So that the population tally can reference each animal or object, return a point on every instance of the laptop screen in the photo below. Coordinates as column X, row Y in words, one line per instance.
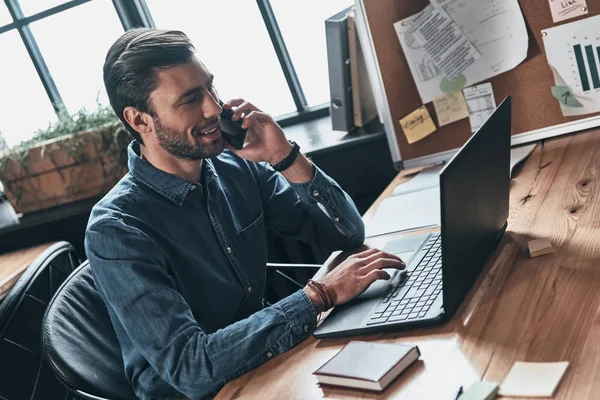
column 474, row 190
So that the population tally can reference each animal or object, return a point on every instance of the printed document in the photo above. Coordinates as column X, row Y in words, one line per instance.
column 573, row 52
column 495, row 28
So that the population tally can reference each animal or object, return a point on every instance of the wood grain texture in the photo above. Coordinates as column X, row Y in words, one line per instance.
column 520, row 309
column 14, row 264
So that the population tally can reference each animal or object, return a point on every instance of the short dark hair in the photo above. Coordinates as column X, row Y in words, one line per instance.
column 131, row 64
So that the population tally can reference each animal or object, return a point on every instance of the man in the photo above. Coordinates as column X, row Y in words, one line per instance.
column 178, row 246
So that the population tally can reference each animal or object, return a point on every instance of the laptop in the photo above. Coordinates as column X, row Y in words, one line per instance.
column 445, row 262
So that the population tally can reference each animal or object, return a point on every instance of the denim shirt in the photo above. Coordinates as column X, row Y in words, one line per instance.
column 181, row 267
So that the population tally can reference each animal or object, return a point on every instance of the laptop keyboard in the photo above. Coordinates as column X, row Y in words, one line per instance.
column 424, row 284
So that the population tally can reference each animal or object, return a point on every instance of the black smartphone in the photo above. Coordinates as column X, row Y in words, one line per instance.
column 232, row 131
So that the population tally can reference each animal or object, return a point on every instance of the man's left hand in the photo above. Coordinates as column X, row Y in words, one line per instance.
column 265, row 140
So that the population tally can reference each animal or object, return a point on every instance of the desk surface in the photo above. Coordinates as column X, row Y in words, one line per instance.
column 520, row 309
column 14, row 264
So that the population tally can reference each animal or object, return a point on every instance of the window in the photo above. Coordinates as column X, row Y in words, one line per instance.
column 302, row 24
column 5, row 17
column 57, row 48
column 74, row 45
column 24, row 106
column 31, row 7
column 233, row 43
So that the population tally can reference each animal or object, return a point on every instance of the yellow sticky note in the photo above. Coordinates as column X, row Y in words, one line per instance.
column 451, row 108
column 417, row 125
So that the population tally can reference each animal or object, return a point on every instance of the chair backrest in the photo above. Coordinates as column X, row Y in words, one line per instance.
column 79, row 342
column 23, row 373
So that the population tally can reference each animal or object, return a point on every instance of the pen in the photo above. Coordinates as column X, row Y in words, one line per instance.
column 458, row 393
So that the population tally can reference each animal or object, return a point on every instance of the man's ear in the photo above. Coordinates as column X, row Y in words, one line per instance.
column 140, row 121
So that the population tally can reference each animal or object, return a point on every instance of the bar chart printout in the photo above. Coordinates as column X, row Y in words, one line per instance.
column 591, row 62
column 573, row 53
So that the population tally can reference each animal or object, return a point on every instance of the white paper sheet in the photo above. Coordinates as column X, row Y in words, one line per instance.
column 444, row 42
column 495, row 27
column 430, row 177
column 481, row 102
column 409, row 211
column 572, row 52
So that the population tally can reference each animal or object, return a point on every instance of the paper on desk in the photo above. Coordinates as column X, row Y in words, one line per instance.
column 426, row 179
column 443, row 41
column 417, row 125
column 430, row 177
column 572, row 50
column 481, row 102
column 565, row 9
column 409, row 211
column 495, row 27
column 450, row 108
column 527, row 379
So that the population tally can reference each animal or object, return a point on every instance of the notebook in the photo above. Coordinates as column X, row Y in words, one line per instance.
column 367, row 365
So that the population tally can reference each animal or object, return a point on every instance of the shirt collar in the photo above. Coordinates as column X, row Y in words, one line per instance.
column 165, row 184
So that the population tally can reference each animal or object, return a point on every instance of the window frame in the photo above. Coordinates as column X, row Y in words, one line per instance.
column 135, row 13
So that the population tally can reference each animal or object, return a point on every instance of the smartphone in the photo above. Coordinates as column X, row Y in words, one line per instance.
column 232, row 131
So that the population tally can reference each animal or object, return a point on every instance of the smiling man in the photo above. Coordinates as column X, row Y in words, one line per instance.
column 178, row 247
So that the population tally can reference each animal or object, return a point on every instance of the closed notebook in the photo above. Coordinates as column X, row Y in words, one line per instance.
column 366, row 365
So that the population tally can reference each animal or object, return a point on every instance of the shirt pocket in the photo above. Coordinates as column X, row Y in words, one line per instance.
column 253, row 239
column 255, row 228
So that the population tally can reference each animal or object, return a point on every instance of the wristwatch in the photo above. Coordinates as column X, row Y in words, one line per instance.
column 289, row 160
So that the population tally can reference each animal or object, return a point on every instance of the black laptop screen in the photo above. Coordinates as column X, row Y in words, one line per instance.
column 474, row 190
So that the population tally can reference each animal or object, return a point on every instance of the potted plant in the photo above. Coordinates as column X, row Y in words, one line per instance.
column 80, row 156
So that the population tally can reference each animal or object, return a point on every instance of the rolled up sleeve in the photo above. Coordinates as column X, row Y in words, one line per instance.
column 318, row 211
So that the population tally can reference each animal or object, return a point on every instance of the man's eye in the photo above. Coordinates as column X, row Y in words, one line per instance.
column 192, row 99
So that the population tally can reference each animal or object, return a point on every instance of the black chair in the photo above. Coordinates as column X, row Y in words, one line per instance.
column 79, row 342
column 23, row 373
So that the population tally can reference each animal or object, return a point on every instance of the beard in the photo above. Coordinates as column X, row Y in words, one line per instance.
column 173, row 141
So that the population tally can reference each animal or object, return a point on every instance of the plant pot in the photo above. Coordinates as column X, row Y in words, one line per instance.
column 65, row 169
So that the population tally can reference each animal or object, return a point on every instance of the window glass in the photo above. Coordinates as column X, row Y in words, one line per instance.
column 24, row 104
column 5, row 17
column 74, row 45
column 30, row 7
column 302, row 24
column 232, row 41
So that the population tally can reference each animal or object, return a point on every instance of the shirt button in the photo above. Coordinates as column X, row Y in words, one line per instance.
column 336, row 219
column 269, row 355
column 316, row 193
column 306, row 328
column 249, row 289
column 229, row 250
column 192, row 188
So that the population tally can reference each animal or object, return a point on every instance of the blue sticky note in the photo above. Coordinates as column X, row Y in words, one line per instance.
column 564, row 94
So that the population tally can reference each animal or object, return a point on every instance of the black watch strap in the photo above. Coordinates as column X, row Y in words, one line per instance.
column 289, row 160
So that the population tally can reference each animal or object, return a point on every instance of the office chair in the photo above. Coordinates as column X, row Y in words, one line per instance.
column 23, row 373
column 79, row 343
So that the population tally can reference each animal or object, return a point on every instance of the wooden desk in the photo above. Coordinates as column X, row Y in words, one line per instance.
column 521, row 308
column 14, row 264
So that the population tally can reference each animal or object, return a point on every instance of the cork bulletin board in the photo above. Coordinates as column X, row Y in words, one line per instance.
column 529, row 84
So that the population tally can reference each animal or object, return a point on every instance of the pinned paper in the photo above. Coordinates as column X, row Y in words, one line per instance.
column 481, row 102
column 444, row 41
column 450, row 108
column 417, row 125
column 448, row 87
column 565, row 96
column 565, row 9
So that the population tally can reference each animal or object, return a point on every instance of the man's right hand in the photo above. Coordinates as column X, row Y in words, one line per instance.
column 356, row 273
